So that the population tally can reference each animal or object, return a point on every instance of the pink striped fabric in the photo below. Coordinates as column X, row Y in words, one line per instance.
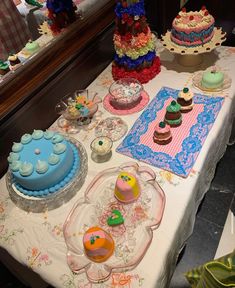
column 178, row 133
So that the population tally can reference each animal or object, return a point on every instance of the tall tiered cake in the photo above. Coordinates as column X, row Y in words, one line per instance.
column 134, row 43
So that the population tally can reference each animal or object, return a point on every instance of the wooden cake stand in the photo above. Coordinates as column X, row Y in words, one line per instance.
column 192, row 56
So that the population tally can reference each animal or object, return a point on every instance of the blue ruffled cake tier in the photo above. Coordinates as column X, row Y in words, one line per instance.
column 136, row 9
column 133, row 64
column 193, row 36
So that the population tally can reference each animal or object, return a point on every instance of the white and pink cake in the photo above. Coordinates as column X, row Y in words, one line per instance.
column 98, row 244
column 192, row 28
column 162, row 134
column 125, row 93
column 127, row 188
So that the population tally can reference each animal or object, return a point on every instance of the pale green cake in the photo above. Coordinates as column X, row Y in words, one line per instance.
column 212, row 79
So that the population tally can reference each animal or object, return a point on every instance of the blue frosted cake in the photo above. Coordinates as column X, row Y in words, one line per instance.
column 42, row 163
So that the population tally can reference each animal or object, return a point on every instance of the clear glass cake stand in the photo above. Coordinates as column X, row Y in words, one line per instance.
column 55, row 200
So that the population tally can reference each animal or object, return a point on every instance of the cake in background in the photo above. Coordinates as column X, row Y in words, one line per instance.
column 98, row 244
column 192, row 28
column 185, row 99
column 212, row 79
column 13, row 59
column 31, row 47
column 162, row 134
column 127, row 188
column 173, row 115
column 61, row 13
column 4, row 68
column 134, row 43
column 42, row 163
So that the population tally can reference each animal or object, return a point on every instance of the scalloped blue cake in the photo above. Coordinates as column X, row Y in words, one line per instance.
column 42, row 163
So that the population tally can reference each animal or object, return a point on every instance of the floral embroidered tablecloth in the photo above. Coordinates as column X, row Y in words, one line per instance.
column 37, row 241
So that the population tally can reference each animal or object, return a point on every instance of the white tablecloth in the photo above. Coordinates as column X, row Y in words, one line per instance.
column 36, row 240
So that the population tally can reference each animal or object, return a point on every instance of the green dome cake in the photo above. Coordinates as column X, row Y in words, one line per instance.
column 212, row 79
column 173, row 115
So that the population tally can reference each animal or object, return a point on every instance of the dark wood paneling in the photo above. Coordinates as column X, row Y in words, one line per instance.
column 21, row 86
column 39, row 111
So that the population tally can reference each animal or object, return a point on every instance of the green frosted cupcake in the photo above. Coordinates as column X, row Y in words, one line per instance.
column 173, row 115
column 4, row 68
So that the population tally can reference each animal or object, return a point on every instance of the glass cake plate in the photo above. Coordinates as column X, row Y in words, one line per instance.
column 131, row 239
column 197, row 79
column 52, row 201
column 112, row 127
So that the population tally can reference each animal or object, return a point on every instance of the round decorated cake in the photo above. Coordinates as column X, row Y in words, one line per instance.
column 162, row 134
column 185, row 99
column 42, row 163
column 127, row 188
column 31, row 47
column 13, row 59
column 125, row 93
column 173, row 115
column 98, row 244
column 212, row 79
column 4, row 68
column 192, row 28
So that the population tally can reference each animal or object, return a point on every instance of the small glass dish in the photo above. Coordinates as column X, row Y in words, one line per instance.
column 77, row 109
column 125, row 93
column 112, row 127
column 101, row 148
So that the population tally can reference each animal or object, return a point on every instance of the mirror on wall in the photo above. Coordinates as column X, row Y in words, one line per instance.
column 27, row 26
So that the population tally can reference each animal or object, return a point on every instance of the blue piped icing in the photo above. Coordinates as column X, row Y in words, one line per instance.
column 48, row 134
column 26, row 138
column 26, row 169
column 132, row 64
column 15, row 165
column 61, row 184
column 17, row 147
column 13, row 157
column 57, row 138
column 37, row 134
column 59, row 148
column 53, row 159
column 41, row 167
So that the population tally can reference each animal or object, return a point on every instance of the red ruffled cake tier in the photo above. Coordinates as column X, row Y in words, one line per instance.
column 144, row 75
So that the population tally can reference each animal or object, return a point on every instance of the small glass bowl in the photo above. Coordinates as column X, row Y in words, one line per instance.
column 125, row 93
column 101, row 145
column 77, row 112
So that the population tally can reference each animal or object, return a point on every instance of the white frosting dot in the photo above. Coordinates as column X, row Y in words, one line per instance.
column 37, row 151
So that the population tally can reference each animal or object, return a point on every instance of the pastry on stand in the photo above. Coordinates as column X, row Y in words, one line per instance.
column 98, row 244
column 212, row 80
column 173, row 115
column 14, row 61
column 4, row 68
column 185, row 99
column 162, row 134
column 192, row 34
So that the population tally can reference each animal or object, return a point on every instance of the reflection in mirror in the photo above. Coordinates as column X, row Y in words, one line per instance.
column 28, row 25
